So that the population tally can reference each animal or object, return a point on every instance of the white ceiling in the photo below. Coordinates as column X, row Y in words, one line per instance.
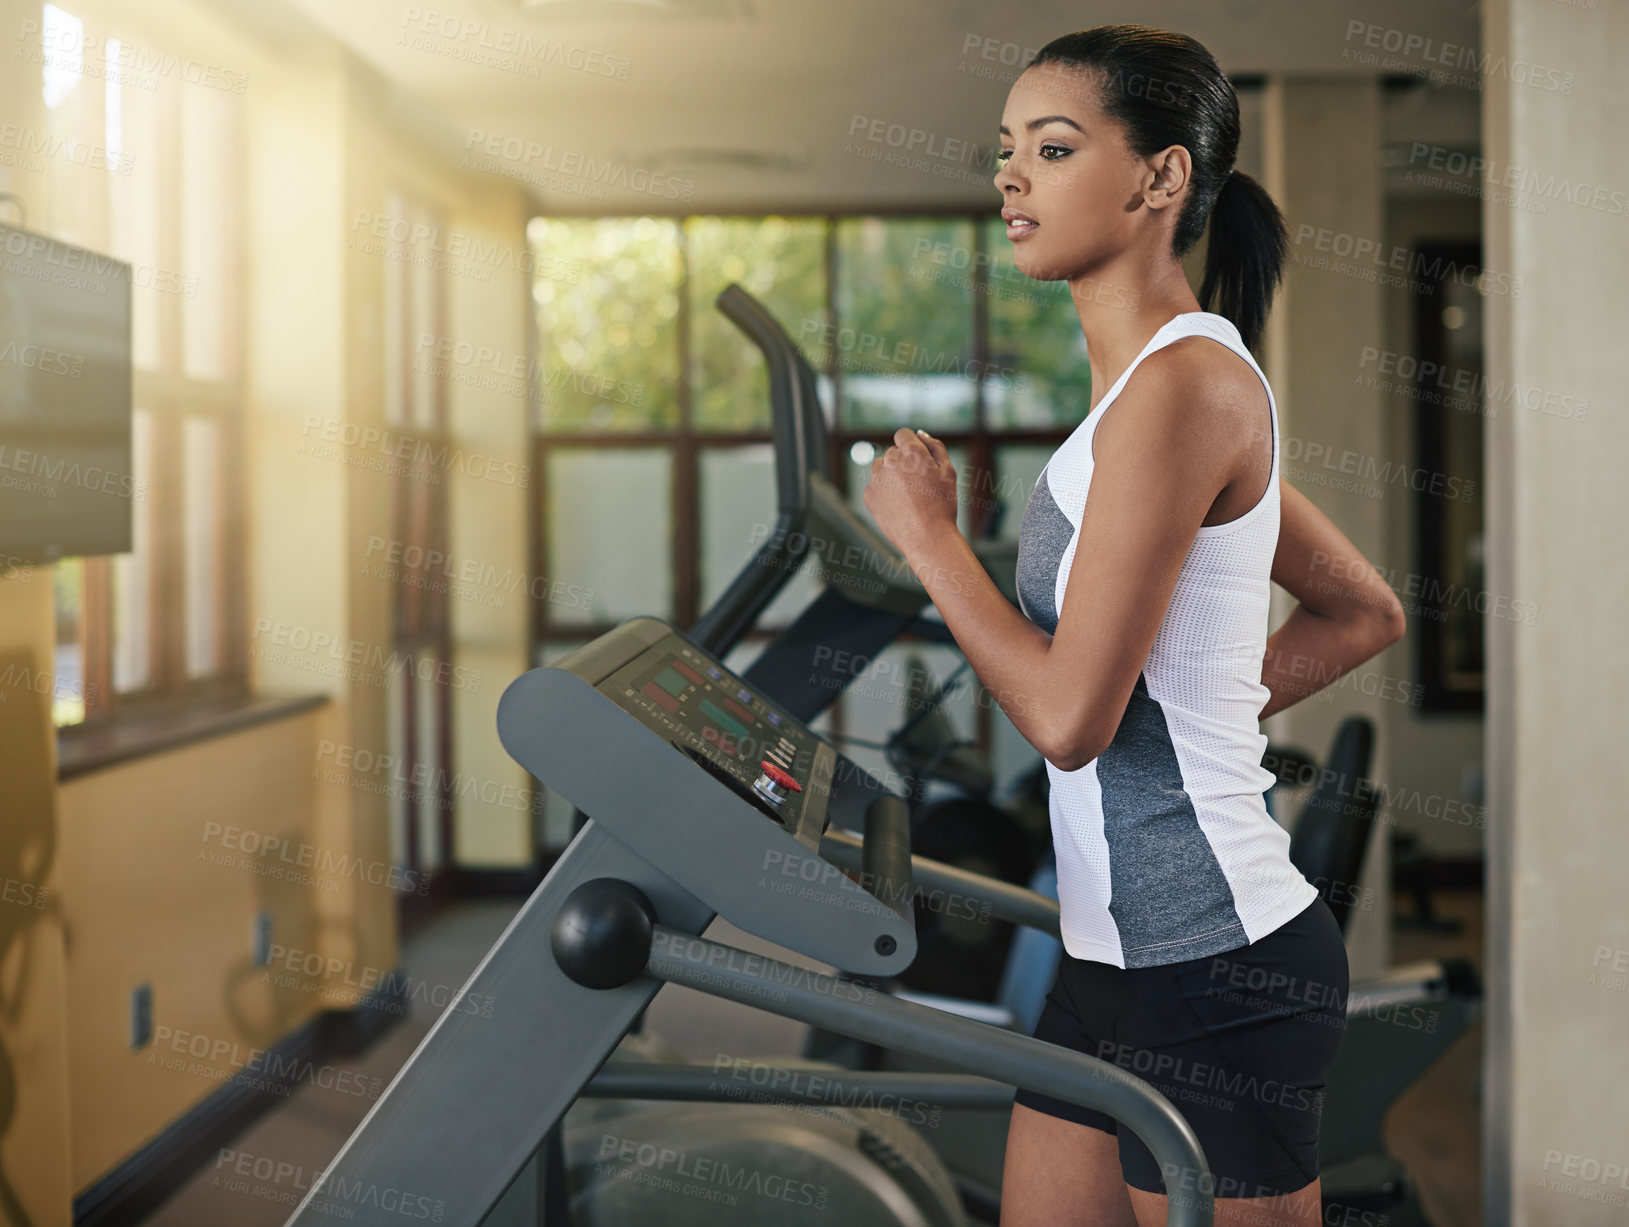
column 784, row 83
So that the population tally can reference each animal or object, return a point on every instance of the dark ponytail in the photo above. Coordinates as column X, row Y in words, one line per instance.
column 1245, row 258
column 1167, row 89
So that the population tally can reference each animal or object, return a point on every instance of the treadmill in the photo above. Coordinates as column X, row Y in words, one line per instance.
column 704, row 797
column 708, row 800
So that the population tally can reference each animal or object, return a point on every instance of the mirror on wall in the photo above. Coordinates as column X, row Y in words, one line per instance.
column 1453, row 402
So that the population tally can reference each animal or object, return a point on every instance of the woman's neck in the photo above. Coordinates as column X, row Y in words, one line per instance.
column 1121, row 306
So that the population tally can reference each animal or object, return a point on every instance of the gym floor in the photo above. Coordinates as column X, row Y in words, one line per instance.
column 1433, row 1128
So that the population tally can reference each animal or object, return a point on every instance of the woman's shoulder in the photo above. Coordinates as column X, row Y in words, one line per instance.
column 1192, row 392
column 1201, row 359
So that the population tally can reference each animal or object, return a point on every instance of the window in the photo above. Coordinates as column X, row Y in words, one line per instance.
column 419, row 707
column 903, row 340
column 164, row 193
column 652, row 435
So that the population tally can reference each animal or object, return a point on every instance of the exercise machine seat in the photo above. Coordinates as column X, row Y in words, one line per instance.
column 1330, row 837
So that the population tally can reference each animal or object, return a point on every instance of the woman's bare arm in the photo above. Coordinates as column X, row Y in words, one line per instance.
column 1347, row 611
column 1163, row 452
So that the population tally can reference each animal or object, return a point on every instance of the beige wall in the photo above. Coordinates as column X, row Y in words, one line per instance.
column 34, row 1120
column 1557, row 1057
column 490, row 520
column 1320, row 322
column 303, row 501
column 165, row 863
column 480, row 227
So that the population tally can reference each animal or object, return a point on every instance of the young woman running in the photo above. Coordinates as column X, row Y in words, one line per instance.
column 1195, row 955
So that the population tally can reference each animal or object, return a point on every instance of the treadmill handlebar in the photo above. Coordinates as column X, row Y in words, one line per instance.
column 851, row 1007
column 1004, row 900
column 792, row 410
column 799, row 431
column 885, row 857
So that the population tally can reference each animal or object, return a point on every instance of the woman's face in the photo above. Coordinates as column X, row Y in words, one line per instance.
column 1066, row 165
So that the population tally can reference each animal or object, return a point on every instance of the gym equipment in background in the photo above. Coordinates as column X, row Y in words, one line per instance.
column 1398, row 1026
column 869, row 599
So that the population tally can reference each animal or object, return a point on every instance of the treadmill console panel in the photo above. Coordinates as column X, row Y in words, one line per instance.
column 650, row 736
column 762, row 754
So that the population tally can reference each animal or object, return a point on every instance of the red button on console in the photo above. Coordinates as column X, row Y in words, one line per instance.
column 780, row 777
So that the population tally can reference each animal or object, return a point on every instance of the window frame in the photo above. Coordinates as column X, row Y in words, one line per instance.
column 416, row 295
column 171, row 396
column 688, row 442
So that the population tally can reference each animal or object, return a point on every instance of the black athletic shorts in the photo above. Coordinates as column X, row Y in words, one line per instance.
column 1238, row 1042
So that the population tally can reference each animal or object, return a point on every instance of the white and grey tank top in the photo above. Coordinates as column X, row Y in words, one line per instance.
column 1165, row 848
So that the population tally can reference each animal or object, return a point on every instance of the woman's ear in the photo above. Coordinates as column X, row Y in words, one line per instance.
column 1172, row 169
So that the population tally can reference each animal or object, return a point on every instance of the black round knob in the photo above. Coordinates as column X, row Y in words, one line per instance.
column 884, row 945
column 602, row 935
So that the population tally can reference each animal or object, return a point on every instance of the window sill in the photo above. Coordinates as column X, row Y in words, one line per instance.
column 154, row 730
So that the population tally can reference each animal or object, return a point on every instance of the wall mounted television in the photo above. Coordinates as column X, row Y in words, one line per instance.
column 67, row 484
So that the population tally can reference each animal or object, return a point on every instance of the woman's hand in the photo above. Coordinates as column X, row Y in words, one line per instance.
column 912, row 492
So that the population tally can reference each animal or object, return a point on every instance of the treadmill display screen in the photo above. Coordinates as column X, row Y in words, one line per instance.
column 763, row 756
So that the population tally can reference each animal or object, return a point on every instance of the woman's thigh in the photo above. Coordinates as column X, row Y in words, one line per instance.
column 1302, row 1208
column 1062, row 1174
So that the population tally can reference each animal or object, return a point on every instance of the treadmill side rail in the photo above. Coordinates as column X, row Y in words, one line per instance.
column 1004, row 900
